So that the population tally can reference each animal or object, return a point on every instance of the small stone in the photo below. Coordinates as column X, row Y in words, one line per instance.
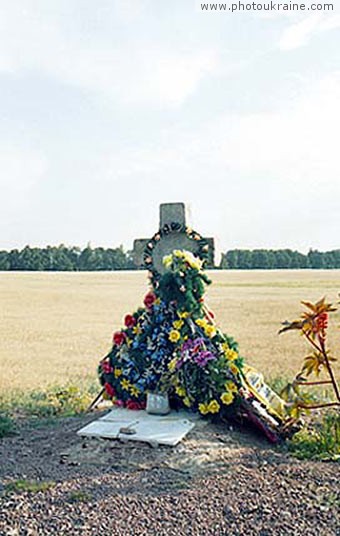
column 229, row 513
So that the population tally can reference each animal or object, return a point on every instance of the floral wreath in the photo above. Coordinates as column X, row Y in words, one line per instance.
column 202, row 250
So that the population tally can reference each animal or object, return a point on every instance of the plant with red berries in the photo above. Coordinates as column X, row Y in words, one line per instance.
column 312, row 324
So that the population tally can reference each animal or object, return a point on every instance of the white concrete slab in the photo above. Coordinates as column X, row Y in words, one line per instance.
column 125, row 415
column 140, row 426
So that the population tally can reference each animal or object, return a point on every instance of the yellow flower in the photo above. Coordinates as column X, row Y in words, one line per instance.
column 125, row 384
column 233, row 368
column 195, row 264
column 118, row 372
column 231, row 355
column 183, row 314
column 134, row 390
column 157, row 301
column 174, row 335
column 186, row 401
column 201, row 322
column 210, row 331
column 227, row 398
column 214, row 406
column 193, row 261
column 180, row 391
column 128, row 342
column 203, row 408
column 225, row 347
column 172, row 364
column 137, row 330
column 167, row 260
column 178, row 253
column 178, row 324
column 230, row 386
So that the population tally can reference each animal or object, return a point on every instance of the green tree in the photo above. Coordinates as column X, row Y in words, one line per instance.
column 5, row 263
column 316, row 259
column 260, row 259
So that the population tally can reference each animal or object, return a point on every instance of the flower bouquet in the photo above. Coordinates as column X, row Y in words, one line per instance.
column 172, row 345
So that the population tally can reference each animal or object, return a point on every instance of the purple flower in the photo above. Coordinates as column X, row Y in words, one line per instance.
column 195, row 350
column 203, row 358
column 187, row 345
column 192, row 345
column 179, row 363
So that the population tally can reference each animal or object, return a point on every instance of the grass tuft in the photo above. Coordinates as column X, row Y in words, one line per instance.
column 28, row 486
column 277, row 383
column 80, row 496
column 53, row 402
column 6, row 425
column 320, row 441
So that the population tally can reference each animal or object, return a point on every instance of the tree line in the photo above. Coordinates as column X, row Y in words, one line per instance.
column 270, row 259
column 63, row 258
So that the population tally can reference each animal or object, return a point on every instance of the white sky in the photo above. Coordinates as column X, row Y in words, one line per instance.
column 109, row 108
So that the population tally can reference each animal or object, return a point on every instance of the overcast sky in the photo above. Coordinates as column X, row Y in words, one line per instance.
column 109, row 108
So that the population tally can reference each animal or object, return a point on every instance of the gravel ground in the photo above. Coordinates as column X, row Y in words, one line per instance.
column 217, row 481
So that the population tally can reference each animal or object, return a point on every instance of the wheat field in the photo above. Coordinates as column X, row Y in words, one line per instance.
column 54, row 327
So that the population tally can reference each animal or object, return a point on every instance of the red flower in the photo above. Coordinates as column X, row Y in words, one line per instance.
column 119, row 337
column 149, row 299
column 106, row 367
column 132, row 404
column 130, row 321
column 109, row 389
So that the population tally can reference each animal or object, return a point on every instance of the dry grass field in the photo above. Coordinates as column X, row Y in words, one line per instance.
column 54, row 327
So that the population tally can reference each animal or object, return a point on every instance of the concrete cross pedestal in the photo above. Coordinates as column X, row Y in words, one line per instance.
column 173, row 234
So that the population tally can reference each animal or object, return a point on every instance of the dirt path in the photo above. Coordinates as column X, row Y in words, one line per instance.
column 216, row 482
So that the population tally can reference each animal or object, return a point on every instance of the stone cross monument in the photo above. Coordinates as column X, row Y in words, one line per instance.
column 173, row 233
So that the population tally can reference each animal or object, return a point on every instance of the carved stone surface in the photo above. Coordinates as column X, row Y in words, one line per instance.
column 138, row 249
column 170, row 213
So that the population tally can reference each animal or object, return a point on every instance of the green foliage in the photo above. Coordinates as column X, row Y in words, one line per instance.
column 6, row 425
column 267, row 259
column 63, row 258
column 318, row 441
column 187, row 297
column 4, row 261
column 28, row 486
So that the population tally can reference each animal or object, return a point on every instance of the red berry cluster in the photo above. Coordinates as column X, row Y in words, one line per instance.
column 322, row 324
